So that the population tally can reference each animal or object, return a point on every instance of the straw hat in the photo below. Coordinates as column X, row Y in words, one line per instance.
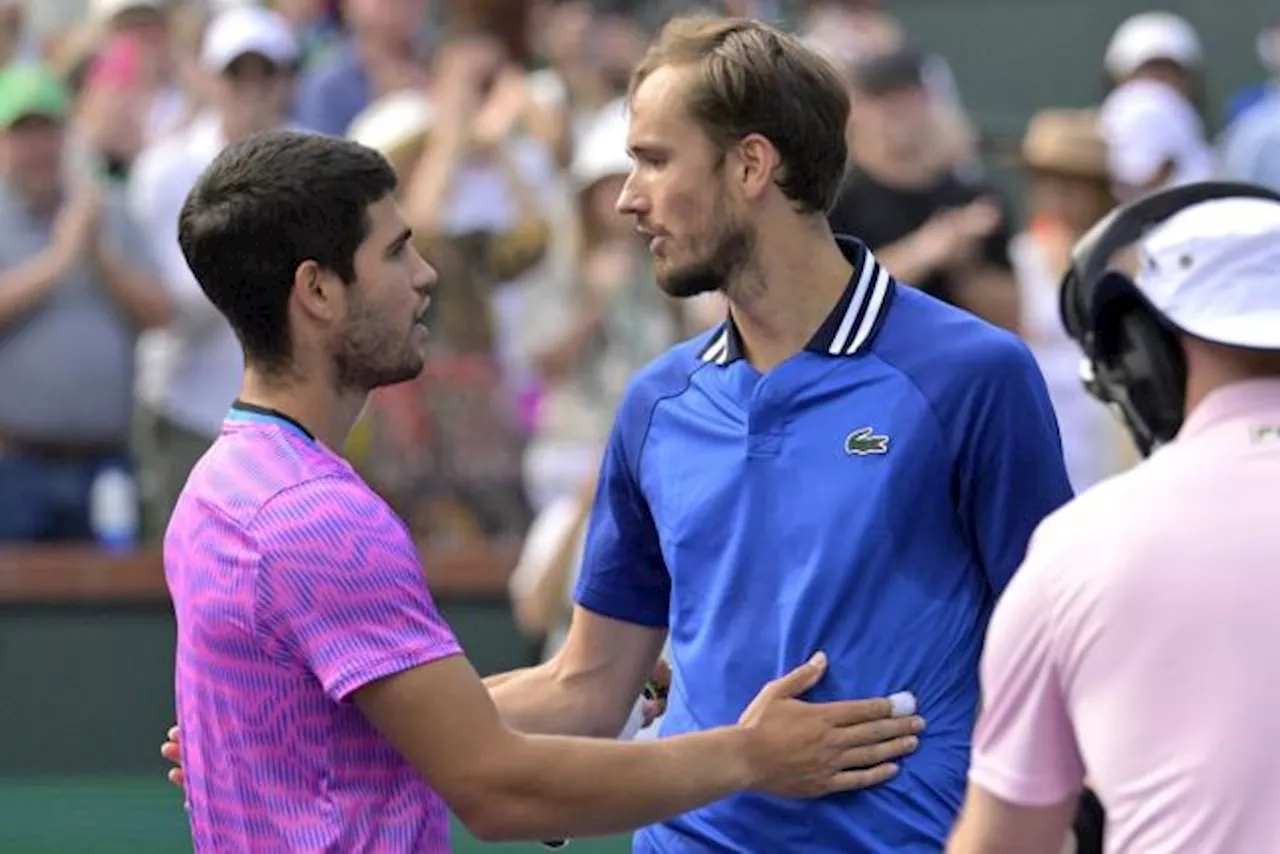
column 1065, row 141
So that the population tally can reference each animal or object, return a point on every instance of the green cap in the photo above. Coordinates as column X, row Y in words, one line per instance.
column 28, row 89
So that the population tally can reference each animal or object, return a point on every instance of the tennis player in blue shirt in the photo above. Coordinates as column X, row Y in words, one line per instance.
column 846, row 464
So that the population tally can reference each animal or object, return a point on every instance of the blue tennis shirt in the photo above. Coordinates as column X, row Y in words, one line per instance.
column 870, row 497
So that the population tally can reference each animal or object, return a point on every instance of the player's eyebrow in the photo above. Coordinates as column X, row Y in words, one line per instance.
column 646, row 151
column 401, row 239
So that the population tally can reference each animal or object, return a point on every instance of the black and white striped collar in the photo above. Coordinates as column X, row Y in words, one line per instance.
column 852, row 324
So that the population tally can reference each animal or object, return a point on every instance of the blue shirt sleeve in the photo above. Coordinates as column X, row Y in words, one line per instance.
column 1011, row 472
column 623, row 573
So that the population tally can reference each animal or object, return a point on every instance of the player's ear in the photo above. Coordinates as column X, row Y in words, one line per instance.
column 756, row 161
column 317, row 292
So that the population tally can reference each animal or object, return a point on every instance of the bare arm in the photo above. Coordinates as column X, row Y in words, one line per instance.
column 506, row 785
column 948, row 237
column 989, row 825
column 588, row 687
column 914, row 257
column 541, row 606
column 135, row 291
column 431, row 180
column 518, row 249
column 603, row 270
column 26, row 285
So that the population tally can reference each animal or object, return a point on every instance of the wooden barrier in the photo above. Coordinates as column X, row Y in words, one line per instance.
column 59, row 574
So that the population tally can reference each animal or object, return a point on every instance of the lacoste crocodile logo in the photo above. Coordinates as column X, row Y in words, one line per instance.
column 865, row 441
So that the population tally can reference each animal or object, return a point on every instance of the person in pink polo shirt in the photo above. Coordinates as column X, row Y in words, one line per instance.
column 1138, row 646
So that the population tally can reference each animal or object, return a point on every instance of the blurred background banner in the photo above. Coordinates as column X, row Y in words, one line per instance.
column 998, row 130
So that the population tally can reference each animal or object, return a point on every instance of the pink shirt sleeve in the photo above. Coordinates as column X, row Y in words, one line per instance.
column 340, row 590
column 1024, row 747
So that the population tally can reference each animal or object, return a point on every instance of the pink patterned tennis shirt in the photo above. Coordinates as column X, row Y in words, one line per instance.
column 294, row 585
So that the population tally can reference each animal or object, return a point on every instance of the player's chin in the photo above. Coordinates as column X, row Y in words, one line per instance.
column 406, row 368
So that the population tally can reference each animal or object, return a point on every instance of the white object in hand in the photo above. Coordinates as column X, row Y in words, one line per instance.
column 903, row 703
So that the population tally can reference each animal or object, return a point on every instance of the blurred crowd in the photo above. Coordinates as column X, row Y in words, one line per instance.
column 505, row 121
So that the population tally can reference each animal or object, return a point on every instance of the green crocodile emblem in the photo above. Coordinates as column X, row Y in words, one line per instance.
column 865, row 441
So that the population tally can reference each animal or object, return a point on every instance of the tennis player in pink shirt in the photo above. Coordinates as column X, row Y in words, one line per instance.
column 1139, row 644
column 325, row 705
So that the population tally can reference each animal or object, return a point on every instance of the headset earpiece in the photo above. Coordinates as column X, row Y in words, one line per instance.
column 1141, row 368
column 1134, row 361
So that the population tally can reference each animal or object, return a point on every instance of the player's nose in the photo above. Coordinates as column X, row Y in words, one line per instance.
column 631, row 202
column 425, row 277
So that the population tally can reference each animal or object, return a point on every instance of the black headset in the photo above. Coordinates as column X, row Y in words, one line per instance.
column 1133, row 361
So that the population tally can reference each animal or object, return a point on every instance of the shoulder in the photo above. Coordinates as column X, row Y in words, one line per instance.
column 1260, row 125
column 939, row 345
column 331, row 520
column 669, row 375
column 1099, row 509
column 1092, row 540
column 973, row 376
column 327, row 499
column 664, row 379
column 256, row 473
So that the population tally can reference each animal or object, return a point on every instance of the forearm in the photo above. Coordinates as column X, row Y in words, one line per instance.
column 908, row 259
column 141, row 297
column 25, row 285
column 553, row 787
column 431, row 181
column 491, row 682
column 541, row 700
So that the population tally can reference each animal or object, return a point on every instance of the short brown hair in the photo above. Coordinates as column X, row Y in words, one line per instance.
column 757, row 79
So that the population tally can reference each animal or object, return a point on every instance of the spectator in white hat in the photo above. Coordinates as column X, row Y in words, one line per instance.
column 1156, row 46
column 1154, row 132
column 1137, row 642
column 189, row 373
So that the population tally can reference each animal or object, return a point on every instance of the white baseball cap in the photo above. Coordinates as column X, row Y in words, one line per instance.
column 1213, row 270
column 1150, row 36
column 243, row 30
column 602, row 151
